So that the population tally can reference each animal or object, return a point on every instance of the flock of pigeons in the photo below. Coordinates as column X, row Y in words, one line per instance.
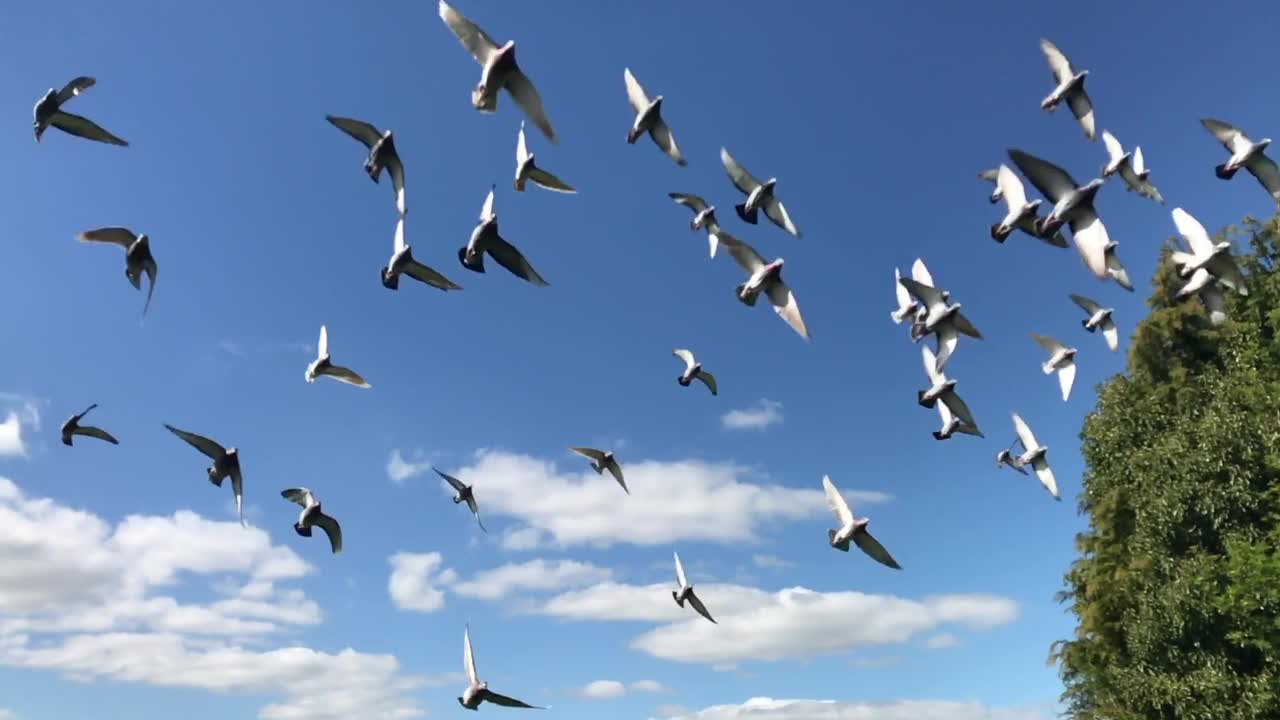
column 1208, row 267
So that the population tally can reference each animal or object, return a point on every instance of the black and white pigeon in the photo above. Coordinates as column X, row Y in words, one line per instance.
column 465, row 494
column 1246, row 154
column 137, row 256
column 48, row 113
column 760, row 196
column 72, row 427
column 485, row 239
column 382, row 154
column 226, row 463
column 312, row 516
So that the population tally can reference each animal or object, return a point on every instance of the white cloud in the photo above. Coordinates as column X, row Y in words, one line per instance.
column 7, row 714
column 610, row 689
column 771, row 562
column 767, row 626
column 942, row 640
column 669, row 501
column 763, row 708
column 649, row 686
column 23, row 413
column 765, row 413
column 532, row 575
column 525, row 538
column 670, row 711
column 414, row 582
column 399, row 469
column 91, row 600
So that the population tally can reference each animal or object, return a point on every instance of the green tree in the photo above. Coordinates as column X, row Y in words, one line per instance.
column 1177, row 585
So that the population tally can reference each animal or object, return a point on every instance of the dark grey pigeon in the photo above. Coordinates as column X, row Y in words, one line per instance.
column 48, row 112
column 382, row 153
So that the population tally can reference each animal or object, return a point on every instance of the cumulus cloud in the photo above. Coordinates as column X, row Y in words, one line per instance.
column 93, row 600
column 763, row 708
column 764, row 414
column 609, row 689
column 20, row 413
column 755, row 624
column 416, row 579
column 532, row 575
column 399, row 469
column 670, row 501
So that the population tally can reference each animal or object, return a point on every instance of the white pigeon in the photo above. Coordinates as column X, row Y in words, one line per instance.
column 312, row 516
column 528, row 171
column 1245, row 154
column 704, row 216
column 323, row 366
column 1021, row 214
column 649, row 119
column 1034, row 456
column 1207, row 287
column 1099, row 317
column 1131, row 168
column 759, row 196
column 685, row 592
column 942, row 394
column 1069, row 85
column 403, row 263
column 1061, row 360
column 1205, row 253
column 765, row 277
column 853, row 529
column 693, row 371
column 941, row 318
column 499, row 71
column 477, row 690
column 1072, row 205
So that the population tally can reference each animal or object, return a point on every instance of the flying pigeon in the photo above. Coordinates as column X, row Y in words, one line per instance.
column 528, row 171
column 1035, row 457
column 500, row 70
column 1007, row 458
column 1213, row 257
column 478, row 692
column 465, row 495
column 853, row 529
column 1069, row 85
column 226, row 463
column 1245, row 154
column 685, row 592
column 704, row 216
column 323, row 366
column 766, row 277
column 403, row 263
column 137, row 256
column 382, row 154
column 48, row 112
column 1021, row 214
column 73, row 427
column 649, row 120
column 909, row 306
column 311, row 516
column 1099, row 317
column 942, row 393
column 941, row 318
column 485, row 239
column 1061, row 360
column 1072, row 204
column 693, row 371
column 1131, row 168
column 759, row 196
column 601, row 461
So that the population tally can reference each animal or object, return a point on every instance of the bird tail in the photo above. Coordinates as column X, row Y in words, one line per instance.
column 476, row 265
column 751, row 218
column 1222, row 172
column 920, row 398
column 390, row 282
column 998, row 232
column 831, row 538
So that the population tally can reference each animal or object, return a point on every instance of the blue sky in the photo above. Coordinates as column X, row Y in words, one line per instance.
column 127, row 583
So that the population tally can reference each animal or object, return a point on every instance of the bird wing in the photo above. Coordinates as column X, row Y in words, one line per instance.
column 680, row 576
column 696, row 602
column 709, row 380
column 931, row 366
column 546, row 180
column 81, row 415
column 1110, row 334
column 475, row 511
column 944, row 413
column 94, row 432
column 921, row 274
column 1024, row 433
column 526, row 96
column 1264, row 169
column 331, row 528
column 1138, row 165
column 237, row 489
column 947, row 338
column 775, row 211
column 322, row 346
column 473, row 39
column 742, row 179
column 686, row 356
column 123, row 237
column 926, row 294
column 872, row 547
column 1091, row 239
column 587, row 452
column 836, row 501
column 486, row 210
column 522, row 150
column 962, row 324
column 454, row 482
column 1066, row 376
column 396, row 169
column 1191, row 229
column 616, row 471
column 399, row 243
column 1052, row 181
column 299, row 495
column 496, row 699
column 358, row 129
column 210, row 448
column 693, row 202
column 1226, row 133
column 743, row 254
column 785, row 305
column 1058, row 63
column 1082, row 108
column 1085, row 304
column 900, row 292
column 75, row 87
column 1049, row 344
column 1115, row 268
column 512, row 259
column 1045, row 474
column 346, row 375
column 1114, row 149
column 662, row 137
column 85, row 128
column 1015, row 196
column 468, row 659
column 989, row 174
column 422, row 273
column 1214, row 303
column 636, row 95
column 151, row 269
column 959, row 408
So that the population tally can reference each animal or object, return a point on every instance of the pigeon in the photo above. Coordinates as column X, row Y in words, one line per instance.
column 1131, row 168
column 1022, row 214
column 704, row 216
column 766, row 277
column 137, row 256
column 685, row 592
column 759, row 196
column 942, row 393
column 601, row 461
column 500, row 70
column 941, row 318
column 402, row 263
column 1099, row 317
column 649, row 119
column 382, row 154
column 485, row 239
column 528, row 171
column 48, row 112
column 1205, row 253
column 226, row 462
column 1245, row 154
column 1069, row 86
column 990, row 175
column 478, row 692
column 1007, row 458
column 1061, row 359
column 323, row 366
column 1073, row 205
column 1035, row 457
column 465, row 495
column 311, row 516
column 1208, row 289
column 853, row 529
column 909, row 306
column 693, row 371
column 73, row 427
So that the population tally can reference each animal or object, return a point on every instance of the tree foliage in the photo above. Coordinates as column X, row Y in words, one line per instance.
column 1177, row 585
